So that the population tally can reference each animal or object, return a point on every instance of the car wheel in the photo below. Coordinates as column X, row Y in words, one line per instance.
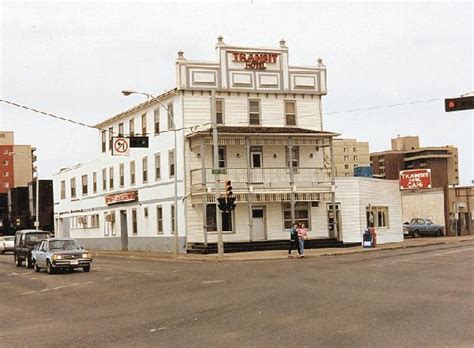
column 415, row 234
column 35, row 266
column 439, row 233
column 49, row 267
column 18, row 262
column 86, row 268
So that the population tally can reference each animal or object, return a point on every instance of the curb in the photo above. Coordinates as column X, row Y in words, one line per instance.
column 269, row 257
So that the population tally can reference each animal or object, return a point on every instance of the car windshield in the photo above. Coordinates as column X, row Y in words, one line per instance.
column 64, row 245
column 36, row 237
column 429, row 222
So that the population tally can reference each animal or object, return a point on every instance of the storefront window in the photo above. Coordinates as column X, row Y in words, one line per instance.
column 301, row 214
column 211, row 217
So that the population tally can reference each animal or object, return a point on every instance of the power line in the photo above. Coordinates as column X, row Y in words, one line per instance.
column 383, row 106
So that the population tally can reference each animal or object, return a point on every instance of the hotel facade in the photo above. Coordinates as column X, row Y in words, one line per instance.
column 271, row 146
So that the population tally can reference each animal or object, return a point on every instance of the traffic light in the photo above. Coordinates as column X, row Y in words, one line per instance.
column 230, row 203
column 459, row 104
column 228, row 189
column 138, row 141
column 222, row 204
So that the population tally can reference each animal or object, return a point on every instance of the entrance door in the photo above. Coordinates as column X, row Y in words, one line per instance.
column 124, row 229
column 258, row 221
column 334, row 232
column 256, row 162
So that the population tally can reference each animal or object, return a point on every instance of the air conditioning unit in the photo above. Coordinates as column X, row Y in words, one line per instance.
column 110, row 217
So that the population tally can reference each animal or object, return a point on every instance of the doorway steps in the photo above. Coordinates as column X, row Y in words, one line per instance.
column 281, row 244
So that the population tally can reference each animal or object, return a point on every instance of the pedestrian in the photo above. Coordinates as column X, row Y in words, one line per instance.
column 294, row 240
column 302, row 235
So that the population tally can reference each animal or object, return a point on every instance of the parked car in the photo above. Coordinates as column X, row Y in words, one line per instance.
column 60, row 253
column 25, row 241
column 7, row 243
column 423, row 227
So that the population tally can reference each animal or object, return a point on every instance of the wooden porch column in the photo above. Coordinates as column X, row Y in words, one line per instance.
column 202, row 151
column 335, row 229
column 292, row 180
column 249, row 186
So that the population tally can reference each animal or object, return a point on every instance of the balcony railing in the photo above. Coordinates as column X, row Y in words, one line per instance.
column 267, row 178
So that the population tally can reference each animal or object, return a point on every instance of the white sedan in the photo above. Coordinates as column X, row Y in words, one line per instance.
column 6, row 244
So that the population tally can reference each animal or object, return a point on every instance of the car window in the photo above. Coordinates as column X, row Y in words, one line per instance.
column 429, row 222
column 421, row 221
column 22, row 238
column 35, row 237
column 64, row 245
column 9, row 238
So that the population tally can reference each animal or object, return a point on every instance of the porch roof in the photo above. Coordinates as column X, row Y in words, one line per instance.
column 258, row 130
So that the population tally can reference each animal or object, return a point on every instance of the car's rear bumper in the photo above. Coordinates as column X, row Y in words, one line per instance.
column 72, row 263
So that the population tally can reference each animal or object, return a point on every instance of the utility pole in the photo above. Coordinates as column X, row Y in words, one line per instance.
column 220, row 242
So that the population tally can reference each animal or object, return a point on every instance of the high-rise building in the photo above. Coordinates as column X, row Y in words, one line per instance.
column 348, row 154
column 16, row 162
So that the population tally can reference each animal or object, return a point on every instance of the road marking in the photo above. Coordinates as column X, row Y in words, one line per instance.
column 5, row 283
column 43, row 290
column 57, row 288
column 445, row 253
column 212, row 281
column 29, row 292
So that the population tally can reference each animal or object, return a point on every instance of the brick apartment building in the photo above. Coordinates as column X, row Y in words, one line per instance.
column 406, row 153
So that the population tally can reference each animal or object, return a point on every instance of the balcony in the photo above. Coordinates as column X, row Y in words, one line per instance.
column 263, row 179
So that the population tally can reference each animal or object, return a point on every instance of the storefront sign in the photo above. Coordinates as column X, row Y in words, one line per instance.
column 121, row 197
column 415, row 179
column 255, row 61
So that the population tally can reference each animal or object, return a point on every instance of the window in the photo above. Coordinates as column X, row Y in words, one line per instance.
column 63, row 189
column 144, row 124
column 159, row 219
column 145, row 213
column 220, row 111
column 173, row 218
column 131, row 126
column 346, row 166
column 132, row 173
column 104, row 141
column 5, row 163
column 295, row 156
column 120, row 133
column 254, row 112
column 111, row 134
column 104, row 179
column 346, row 158
column 6, row 174
column 73, row 187
column 84, row 185
column 94, row 182
column 301, row 214
column 156, row 115
column 6, row 185
column 171, row 162
column 157, row 166
column 355, row 158
column 170, row 116
column 377, row 217
column 94, row 221
column 111, row 178
column 145, row 169
column 122, row 175
column 211, row 219
column 222, row 157
column 290, row 113
column 354, row 149
column 134, row 221
column 346, row 149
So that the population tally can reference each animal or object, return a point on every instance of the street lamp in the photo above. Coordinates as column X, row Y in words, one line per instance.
column 175, row 164
column 37, row 186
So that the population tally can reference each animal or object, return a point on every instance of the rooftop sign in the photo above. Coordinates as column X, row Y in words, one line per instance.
column 255, row 61
column 415, row 179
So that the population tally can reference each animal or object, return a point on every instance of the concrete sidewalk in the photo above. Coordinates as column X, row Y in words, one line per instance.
column 282, row 254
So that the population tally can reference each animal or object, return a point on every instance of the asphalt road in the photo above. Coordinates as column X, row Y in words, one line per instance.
column 421, row 297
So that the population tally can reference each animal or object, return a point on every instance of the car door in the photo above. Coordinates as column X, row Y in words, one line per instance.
column 41, row 255
column 422, row 226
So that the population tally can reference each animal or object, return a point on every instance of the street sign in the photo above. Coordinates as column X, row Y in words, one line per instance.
column 141, row 141
column 120, row 146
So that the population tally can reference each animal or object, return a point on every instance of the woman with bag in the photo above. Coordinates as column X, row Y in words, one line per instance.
column 302, row 235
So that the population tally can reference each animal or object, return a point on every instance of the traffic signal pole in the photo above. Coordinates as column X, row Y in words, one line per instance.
column 220, row 242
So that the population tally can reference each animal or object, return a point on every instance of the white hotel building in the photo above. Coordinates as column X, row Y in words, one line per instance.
column 269, row 119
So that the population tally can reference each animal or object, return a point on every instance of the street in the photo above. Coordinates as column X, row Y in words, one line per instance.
column 408, row 297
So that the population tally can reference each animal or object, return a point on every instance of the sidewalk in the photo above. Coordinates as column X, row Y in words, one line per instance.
column 282, row 254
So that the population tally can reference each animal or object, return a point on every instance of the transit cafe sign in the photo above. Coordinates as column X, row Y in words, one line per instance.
column 415, row 179
column 255, row 61
column 121, row 197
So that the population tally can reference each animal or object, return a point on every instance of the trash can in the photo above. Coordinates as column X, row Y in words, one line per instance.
column 367, row 239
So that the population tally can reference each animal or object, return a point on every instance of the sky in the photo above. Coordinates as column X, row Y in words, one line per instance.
column 73, row 59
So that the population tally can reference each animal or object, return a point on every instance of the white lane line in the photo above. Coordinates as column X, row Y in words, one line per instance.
column 29, row 292
column 56, row 288
column 212, row 281
column 5, row 283
column 44, row 290
column 445, row 253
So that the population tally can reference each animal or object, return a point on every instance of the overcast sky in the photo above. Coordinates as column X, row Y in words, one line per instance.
column 74, row 58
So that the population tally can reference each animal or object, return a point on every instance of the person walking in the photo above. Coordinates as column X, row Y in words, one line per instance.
column 294, row 244
column 302, row 235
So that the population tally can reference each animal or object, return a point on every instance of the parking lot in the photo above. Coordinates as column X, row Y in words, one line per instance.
column 414, row 297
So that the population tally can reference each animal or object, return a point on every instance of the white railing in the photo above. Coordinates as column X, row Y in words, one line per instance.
column 262, row 177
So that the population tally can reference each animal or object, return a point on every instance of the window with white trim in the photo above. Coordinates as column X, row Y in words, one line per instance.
column 302, row 214
column 377, row 217
column 156, row 118
column 254, row 112
column 290, row 113
column 132, row 173
column 157, row 166
column 159, row 219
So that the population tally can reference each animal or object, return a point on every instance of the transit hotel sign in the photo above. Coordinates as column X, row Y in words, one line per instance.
column 124, row 197
column 255, row 61
column 415, row 179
